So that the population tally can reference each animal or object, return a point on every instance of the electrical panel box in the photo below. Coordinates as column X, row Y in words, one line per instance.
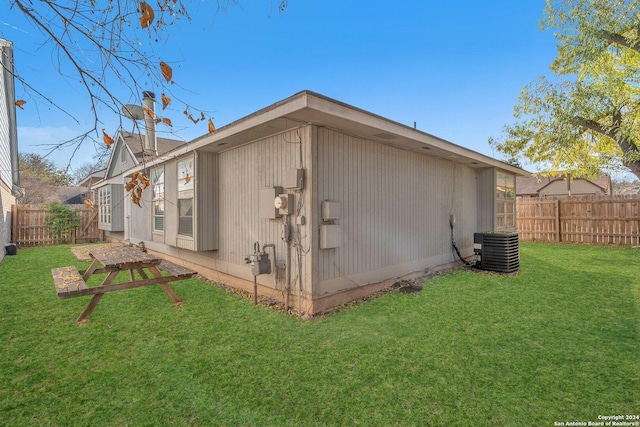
column 265, row 202
column 294, row 179
column 330, row 211
column 330, row 236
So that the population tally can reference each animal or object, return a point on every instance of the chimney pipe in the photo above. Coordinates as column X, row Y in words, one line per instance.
column 150, row 141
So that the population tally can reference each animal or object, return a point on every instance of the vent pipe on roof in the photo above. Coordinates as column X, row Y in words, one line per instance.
column 150, row 141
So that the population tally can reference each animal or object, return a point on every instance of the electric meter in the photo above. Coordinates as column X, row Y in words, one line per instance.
column 280, row 202
column 284, row 202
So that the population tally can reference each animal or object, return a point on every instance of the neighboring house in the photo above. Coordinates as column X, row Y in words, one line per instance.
column 563, row 186
column 350, row 201
column 130, row 150
column 69, row 195
column 92, row 178
column 89, row 182
column 9, row 176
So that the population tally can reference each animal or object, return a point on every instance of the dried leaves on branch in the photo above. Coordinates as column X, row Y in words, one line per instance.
column 136, row 186
column 110, row 51
column 104, row 48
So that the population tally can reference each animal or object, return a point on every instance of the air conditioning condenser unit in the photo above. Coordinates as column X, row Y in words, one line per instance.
column 497, row 251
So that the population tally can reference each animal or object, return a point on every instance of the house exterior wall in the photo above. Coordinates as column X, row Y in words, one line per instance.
column 115, row 211
column 6, row 200
column 243, row 172
column 121, row 159
column 8, row 143
column 5, row 138
column 227, row 211
column 395, row 208
column 140, row 217
column 395, row 211
column 206, row 202
column 487, row 200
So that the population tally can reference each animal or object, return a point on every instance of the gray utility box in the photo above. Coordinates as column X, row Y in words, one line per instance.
column 266, row 197
column 260, row 263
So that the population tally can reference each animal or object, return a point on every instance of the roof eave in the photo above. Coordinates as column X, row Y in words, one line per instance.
column 310, row 108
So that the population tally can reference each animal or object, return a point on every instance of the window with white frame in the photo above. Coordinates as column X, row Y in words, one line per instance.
column 157, row 182
column 104, row 204
column 506, row 203
column 185, row 197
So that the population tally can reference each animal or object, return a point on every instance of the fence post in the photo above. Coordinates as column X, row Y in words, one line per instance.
column 557, row 220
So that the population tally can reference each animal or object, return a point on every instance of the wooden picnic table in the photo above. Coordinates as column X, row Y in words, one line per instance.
column 71, row 282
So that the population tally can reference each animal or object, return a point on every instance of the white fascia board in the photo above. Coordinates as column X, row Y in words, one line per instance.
column 385, row 125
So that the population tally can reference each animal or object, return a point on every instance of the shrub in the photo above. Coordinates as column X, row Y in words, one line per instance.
column 62, row 220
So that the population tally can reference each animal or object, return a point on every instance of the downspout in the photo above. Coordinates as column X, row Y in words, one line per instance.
column 6, row 50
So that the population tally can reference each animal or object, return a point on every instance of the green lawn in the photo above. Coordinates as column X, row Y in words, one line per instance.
column 559, row 342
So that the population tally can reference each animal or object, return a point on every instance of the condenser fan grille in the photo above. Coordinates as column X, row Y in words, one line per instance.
column 497, row 251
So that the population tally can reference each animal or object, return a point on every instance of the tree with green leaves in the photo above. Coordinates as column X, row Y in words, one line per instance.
column 586, row 118
column 61, row 220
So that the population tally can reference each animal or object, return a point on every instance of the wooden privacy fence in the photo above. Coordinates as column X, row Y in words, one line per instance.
column 28, row 226
column 602, row 220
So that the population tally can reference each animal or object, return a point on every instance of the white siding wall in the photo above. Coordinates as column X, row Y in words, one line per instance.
column 5, row 151
column 6, row 180
column 395, row 210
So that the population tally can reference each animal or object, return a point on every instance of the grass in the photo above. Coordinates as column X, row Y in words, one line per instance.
column 559, row 342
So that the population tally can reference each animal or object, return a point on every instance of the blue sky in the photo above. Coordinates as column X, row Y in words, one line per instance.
column 455, row 68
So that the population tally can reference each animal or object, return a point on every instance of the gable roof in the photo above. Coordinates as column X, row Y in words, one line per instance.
column 310, row 108
column 133, row 143
column 533, row 186
column 92, row 177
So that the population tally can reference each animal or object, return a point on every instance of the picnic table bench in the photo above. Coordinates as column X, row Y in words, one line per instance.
column 71, row 282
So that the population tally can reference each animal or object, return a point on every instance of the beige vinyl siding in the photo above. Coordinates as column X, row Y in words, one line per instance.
column 243, row 172
column 580, row 187
column 206, row 202
column 487, row 199
column 205, row 219
column 395, row 209
column 170, row 205
column 576, row 188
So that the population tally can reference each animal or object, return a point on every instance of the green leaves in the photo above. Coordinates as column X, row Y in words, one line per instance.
column 61, row 220
column 587, row 119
